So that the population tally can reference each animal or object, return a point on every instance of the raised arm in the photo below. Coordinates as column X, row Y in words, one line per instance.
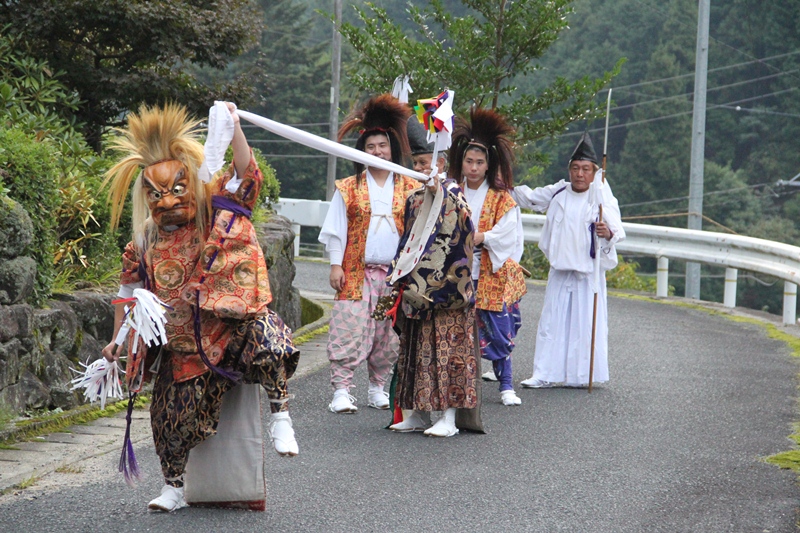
column 241, row 150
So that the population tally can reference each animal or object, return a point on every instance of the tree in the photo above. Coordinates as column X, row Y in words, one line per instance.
column 481, row 56
column 116, row 54
column 295, row 91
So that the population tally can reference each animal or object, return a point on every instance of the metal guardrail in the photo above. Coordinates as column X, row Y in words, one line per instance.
column 718, row 249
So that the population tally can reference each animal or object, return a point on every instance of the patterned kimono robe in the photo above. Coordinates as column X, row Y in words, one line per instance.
column 438, row 364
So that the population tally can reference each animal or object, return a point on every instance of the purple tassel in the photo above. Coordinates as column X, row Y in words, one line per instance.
column 227, row 373
column 127, row 460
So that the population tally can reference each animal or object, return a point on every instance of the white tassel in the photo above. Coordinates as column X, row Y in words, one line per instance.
column 147, row 317
column 101, row 381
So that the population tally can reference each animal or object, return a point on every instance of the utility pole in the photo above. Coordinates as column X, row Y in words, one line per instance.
column 336, row 60
column 698, row 141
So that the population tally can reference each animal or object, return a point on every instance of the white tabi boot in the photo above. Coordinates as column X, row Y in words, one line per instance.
column 445, row 426
column 509, row 397
column 282, row 434
column 342, row 402
column 171, row 499
column 378, row 398
column 415, row 421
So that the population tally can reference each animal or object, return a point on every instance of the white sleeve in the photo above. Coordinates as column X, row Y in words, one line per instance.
column 126, row 289
column 537, row 199
column 501, row 240
column 611, row 215
column 233, row 184
column 334, row 230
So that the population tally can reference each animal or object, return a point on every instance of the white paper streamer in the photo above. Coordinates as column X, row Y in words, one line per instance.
column 147, row 317
column 402, row 88
column 445, row 114
column 101, row 381
column 328, row 146
column 220, row 135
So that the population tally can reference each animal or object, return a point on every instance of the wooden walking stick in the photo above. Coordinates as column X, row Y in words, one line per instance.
column 597, row 251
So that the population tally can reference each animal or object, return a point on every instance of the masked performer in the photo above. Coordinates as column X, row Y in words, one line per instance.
column 481, row 159
column 563, row 339
column 195, row 249
column 361, row 232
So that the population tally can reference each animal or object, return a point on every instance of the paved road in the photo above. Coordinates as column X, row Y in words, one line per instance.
column 672, row 443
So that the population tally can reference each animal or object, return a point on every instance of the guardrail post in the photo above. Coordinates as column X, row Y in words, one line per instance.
column 789, row 303
column 662, row 277
column 731, row 275
column 296, row 230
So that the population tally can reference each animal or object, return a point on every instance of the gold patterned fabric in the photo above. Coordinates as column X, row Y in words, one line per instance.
column 438, row 363
column 230, row 278
column 167, row 266
column 177, row 267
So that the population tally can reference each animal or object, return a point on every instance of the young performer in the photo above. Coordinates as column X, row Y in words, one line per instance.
column 563, row 339
column 481, row 158
column 195, row 249
column 361, row 232
column 431, row 275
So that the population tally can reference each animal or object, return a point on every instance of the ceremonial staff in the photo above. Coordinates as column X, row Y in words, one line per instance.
column 597, row 248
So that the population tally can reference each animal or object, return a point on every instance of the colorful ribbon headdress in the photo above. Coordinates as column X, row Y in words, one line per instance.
column 436, row 115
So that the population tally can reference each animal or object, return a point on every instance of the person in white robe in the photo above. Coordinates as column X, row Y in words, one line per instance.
column 564, row 334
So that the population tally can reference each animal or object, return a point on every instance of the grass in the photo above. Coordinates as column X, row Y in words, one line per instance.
column 789, row 459
column 22, row 485
column 69, row 469
column 311, row 334
column 32, row 428
column 6, row 415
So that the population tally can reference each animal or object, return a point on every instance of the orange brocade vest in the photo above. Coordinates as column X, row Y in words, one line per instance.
column 507, row 285
column 359, row 214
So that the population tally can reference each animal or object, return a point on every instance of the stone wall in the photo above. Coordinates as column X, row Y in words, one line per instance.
column 39, row 346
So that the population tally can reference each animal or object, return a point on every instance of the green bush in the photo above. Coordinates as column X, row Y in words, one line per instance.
column 30, row 174
column 625, row 277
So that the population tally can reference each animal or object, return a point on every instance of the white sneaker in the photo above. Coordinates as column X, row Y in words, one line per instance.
column 489, row 376
column 510, row 397
column 282, row 434
column 537, row 384
column 342, row 402
column 378, row 398
column 416, row 421
column 171, row 499
column 445, row 426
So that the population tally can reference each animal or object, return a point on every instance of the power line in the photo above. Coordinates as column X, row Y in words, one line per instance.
column 717, row 88
column 755, row 59
column 710, row 193
column 688, row 75
column 763, row 111
column 682, row 113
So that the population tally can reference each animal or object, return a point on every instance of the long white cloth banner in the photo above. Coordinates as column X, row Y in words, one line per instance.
column 328, row 146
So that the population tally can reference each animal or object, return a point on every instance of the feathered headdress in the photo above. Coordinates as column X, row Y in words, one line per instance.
column 380, row 114
column 153, row 135
column 488, row 131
